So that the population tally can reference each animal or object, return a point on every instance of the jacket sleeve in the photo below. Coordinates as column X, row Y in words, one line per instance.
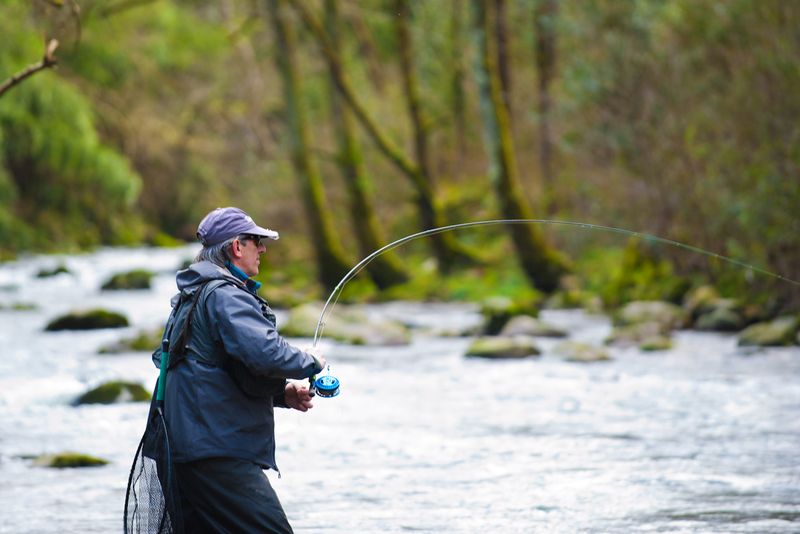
column 251, row 338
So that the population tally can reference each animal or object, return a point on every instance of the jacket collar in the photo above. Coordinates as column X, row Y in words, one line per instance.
column 251, row 285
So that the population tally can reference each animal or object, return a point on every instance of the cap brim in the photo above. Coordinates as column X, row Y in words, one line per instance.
column 264, row 232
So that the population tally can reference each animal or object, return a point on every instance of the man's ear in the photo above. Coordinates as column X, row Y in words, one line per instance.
column 236, row 248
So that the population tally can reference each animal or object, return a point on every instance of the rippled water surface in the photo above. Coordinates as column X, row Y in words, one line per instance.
column 702, row 438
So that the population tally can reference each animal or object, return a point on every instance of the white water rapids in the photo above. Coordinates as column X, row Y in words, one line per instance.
column 701, row 438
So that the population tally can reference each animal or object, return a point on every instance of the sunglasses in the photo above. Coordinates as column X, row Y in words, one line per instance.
column 257, row 240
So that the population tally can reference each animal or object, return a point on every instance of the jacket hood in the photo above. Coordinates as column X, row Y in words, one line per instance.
column 201, row 272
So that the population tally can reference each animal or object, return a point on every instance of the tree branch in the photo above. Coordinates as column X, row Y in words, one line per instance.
column 49, row 60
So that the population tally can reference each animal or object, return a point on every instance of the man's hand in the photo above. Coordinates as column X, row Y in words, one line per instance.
column 298, row 397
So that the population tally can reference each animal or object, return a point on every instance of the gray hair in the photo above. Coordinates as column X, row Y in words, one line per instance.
column 218, row 254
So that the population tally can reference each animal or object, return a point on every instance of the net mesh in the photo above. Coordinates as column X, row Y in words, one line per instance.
column 152, row 504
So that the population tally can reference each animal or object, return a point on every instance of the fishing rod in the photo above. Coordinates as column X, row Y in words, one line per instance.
column 328, row 386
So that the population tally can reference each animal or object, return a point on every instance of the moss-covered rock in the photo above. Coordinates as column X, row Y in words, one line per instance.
column 88, row 320
column 498, row 310
column 496, row 347
column 47, row 273
column 574, row 351
column 699, row 301
column 136, row 279
column 638, row 333
column 347, row 324
column 778, row 332
column 721, row 315
column 113, row 392
column 144, row 341
column 656, row 343
column 525, row 325
column 19, row 306
column 668, row 315
column 68, row 460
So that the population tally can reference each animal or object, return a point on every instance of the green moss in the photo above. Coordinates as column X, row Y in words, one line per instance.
column 89, row 320
column 69, row 460
column 115, row 391
column 144, row 341
column 136, row 279
column 46, row 273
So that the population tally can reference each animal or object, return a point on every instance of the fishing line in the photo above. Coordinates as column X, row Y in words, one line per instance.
column 333, row 298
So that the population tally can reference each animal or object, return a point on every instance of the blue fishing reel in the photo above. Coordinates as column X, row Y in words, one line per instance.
column 326, row 386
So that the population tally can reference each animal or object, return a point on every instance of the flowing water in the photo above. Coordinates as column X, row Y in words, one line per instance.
column 702, row 438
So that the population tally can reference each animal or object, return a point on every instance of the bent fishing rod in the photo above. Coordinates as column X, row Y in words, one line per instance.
column 328, row 386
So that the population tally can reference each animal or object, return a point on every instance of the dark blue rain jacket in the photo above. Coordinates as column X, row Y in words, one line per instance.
column 219, row 399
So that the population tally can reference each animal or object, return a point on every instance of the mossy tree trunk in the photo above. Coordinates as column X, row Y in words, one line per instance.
column 544, row 20
column 385, row 270
column 458, row 95
column 444, row 245
column 503, row 63
column 541, row 263
column 332, row 264
column 446, row 248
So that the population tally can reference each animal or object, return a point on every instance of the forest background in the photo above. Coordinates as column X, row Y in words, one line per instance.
column 347, row 124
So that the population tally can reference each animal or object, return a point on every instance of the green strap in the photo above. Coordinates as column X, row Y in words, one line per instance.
column 162, row 374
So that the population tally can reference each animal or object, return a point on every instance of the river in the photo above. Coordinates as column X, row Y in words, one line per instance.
column 700, row 438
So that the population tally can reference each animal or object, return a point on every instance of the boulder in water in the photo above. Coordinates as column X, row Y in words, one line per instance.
column 778, row 332
column 525, row 325
column 136, row 279
column 88, row 320
column 669, row 315
column 574, row 351
column 68, row 460
column 498, row 310
column 113, row 392
column 495, row 347
column 637, row 333
column 347, row 324
column 721, row 315
column 144, row 341
column 655, row 343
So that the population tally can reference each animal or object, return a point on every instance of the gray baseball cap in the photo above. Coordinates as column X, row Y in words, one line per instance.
column 225, row 223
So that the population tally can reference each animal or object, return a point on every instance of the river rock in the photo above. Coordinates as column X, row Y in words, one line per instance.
column 347, row 324
column 699, row 301
column 575, row 351
column 637, row 333
column 722, row 315
column 113, row 392
column 669, row 315
column 144, row 341
column 88, row 320
column 498, row 310
column 55, row 271
column 68, row 460
column 778, row 332
column 655, row 343
column 495, row 347
column 136, row 279
column 525, row 325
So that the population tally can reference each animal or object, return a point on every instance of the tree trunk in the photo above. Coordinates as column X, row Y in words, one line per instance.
column 444, row 245
column 385, row 270
column 540, row 262
column 459, row 99
column 503, row 64
column 331, row 262
column 544, row 22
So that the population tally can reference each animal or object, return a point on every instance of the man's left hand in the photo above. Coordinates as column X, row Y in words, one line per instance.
column 298, row 397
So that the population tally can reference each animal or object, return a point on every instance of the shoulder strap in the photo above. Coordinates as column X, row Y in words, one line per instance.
column 178, row 349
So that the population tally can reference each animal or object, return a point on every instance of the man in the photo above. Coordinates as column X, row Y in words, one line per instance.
column 228, row 368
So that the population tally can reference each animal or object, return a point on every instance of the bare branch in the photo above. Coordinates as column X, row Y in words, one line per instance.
column 49, row 60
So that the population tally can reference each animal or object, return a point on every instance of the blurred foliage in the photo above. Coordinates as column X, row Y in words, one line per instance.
column 678, row 118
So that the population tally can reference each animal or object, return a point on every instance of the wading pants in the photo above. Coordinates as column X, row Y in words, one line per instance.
column 228, row 495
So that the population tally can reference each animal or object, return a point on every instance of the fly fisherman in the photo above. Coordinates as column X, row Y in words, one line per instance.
column 228, row 368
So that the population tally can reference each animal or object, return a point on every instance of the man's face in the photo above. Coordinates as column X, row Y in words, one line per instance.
column 246, row 252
